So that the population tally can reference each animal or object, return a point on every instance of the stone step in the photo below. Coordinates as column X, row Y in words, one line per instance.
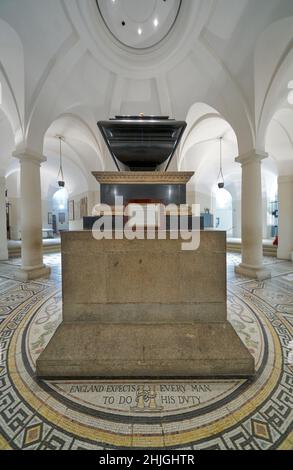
column 93, row 349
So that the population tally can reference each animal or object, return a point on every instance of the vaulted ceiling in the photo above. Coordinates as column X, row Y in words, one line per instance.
column 63, row 67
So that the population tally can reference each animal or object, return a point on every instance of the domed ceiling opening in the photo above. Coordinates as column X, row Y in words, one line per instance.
column 139, row 24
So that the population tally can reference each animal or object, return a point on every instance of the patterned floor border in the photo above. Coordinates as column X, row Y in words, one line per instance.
column 53, row 415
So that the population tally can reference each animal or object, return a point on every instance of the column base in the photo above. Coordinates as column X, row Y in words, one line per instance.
column 258, row 272
column 23, row 274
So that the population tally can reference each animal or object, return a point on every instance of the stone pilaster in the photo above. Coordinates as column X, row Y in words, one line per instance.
column 3, row 232
column 285, row 248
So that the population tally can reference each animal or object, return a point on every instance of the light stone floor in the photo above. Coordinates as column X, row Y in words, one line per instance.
column 190, row 414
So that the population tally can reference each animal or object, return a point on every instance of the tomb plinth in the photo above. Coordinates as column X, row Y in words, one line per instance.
column 143, row 307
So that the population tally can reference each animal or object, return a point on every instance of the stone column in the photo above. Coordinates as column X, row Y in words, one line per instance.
column 31, row 217
column 3, row 232
column 252, row 217
column 285, row 248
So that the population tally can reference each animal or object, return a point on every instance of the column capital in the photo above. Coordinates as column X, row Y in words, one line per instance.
column 251, row 157
column 25, row 154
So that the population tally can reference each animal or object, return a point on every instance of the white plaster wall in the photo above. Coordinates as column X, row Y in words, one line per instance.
column 93, row 198
column 3, row 234
column 226, row 220
column 265, row 228
column 46, row 208
column 204, row 200
column 285, row 247
column 236, row 214
column 15, row 216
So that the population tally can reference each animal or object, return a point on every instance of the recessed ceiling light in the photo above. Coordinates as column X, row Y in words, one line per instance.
column 138, row 36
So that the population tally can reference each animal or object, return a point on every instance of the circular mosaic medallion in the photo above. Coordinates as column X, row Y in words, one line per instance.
column 191, row 414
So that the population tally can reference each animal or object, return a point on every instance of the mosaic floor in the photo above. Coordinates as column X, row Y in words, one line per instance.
column 195, row 414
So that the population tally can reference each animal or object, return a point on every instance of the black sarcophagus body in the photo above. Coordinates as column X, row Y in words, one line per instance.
column 142, row 148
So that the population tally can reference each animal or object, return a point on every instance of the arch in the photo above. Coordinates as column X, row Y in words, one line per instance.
column 80, row 143
column 75, row 177
column 196, row 113
column 12, row 78
column 279, row 140
column 225, row 92
column 57, row 72
column 273, row 71
column 199, row 114
column 90, row 137
column 200, row 152
column 6, row 142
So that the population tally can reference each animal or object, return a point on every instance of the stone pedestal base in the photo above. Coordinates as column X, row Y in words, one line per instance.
column 259, row 273
column 89, row 349
column 22, row 274
column 144, row 308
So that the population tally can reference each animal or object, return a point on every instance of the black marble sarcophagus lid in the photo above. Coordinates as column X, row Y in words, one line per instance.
column 142, row 143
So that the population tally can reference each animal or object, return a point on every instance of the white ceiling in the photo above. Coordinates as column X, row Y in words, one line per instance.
column 139, row 23
column 62, row 70
column 279, row 140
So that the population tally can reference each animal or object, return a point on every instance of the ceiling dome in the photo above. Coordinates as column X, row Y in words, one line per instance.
column 139, row 24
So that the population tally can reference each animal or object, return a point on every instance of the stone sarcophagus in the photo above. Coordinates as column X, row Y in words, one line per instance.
column 143, row 307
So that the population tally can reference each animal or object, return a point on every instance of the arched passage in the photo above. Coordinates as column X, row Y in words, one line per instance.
column 279, row 145
column 12, row 79
column 80, row 155
column 272, row 74
column 200, row 152
column 7, row 213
